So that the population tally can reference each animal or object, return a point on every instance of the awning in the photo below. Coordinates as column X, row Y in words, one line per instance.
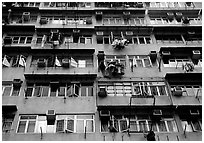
column 184, row 78
column 9, row 109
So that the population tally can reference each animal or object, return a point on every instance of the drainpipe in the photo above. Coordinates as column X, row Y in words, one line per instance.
column 41, row 134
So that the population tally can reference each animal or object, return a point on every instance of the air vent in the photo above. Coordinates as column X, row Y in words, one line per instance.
column 130, row 33
column 166, row 53
column 177, row 91
column 99, row 33
column 17, row 82
column 157, row 112
column 196, row 54
column 50, row 112
column 194, row 112
column 104, row 115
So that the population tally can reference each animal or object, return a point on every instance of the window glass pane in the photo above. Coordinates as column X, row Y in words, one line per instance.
column 153, row 90
column 170, row 126
column 104, row 125
column 37, row 91
column 162, row 126
column 139, row 63
column 152, row 126
column 29, row 40
column 80, row 126
column 123, row 125
column 21, row 127
column 7, row 91
column 31, row 127
column 147, row 63
column 89, row 126
column 7, row 126
column 45, row 91
column 61, row 91
column 141, row 39
column 69, row 90
column 90, row 91
column 106, row 40
column 53, row 91
column 29, row 92
column 142, row 126
column 189, row 91
column 83, row 91
column 135, row 41
column 70, row 125
column 196, row 126
column 133, row 126
column 22, row 40
column 15, row 40
column 60, row 126
column 16, row 91
column 162, row 90
column 186, row 126
column 15, row 61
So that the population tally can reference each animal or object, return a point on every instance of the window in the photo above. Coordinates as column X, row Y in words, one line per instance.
column 140, row 61
column 169, row 39
column 177, row 62
column 149, row 88
column 7, row 121
column 14, row 61
column 64, row 89
column 189, row 90
column 9, row 90
column 21, row 39
column 191, row 125
column 138, row 124
column 85, row 40
column 112, row 21
column 136, row 21
column 75, row 123
column 26, row 124
column 142, row 40
column 121, row 59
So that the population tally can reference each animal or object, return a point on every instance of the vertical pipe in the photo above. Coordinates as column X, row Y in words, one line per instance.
column 177, row 138
column 85, row 133
column 167, row 137
column 158, row 137
column 41, row 134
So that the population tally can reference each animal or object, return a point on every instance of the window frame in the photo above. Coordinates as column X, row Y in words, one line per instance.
column 11, row 91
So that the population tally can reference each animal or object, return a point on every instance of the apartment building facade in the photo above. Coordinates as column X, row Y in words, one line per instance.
column 101, row 71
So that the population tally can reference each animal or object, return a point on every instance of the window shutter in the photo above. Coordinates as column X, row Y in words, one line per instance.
column 70, row 125
column 76, row 90
column 60, row 126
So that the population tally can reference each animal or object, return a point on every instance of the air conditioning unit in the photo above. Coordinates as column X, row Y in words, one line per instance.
column 104, row 114
column 194, row 112
column 99, row 33
column 41, row 62
column 65, row 62
column 129, row 33
column 17, row 82
column 166, row 53
column 177, row 91
column 196, row 54
column 102, row 92
column 179, row 16
column 26, row 16
column 153, row 55
column 7, row 40
column 43, row 20
column 157, row 112
column 50, row 112
column 188, row 3
column 170, row 16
